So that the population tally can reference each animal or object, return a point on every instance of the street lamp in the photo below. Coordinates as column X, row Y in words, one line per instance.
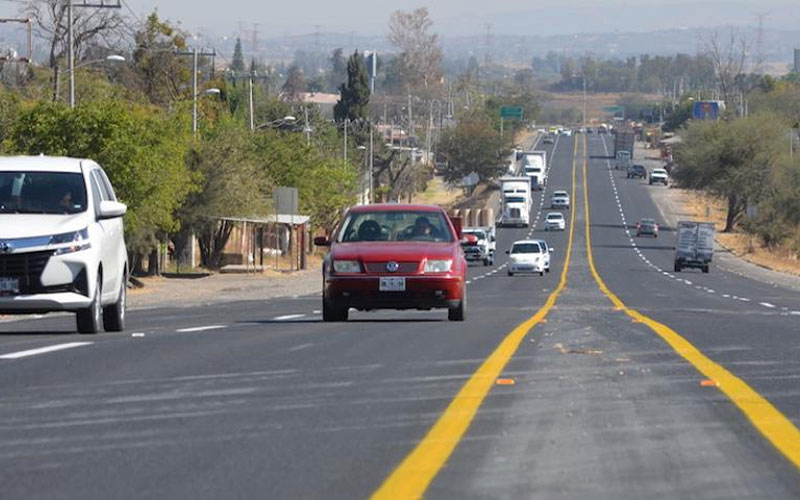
column 115, row 58
column 206, row 92
column 278, row 123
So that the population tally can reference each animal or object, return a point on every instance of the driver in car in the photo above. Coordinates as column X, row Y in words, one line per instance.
column 423, row 228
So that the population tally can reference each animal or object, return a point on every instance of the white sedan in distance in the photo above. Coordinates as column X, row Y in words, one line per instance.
column 555, row 222
column 526, row 256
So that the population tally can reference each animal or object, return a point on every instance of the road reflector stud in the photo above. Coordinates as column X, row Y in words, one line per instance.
column 506, row 381
column 709, row 383
column 635, row 321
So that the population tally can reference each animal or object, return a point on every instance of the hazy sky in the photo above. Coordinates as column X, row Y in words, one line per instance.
column 457, row 17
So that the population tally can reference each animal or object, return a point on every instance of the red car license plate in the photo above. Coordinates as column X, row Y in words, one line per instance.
column 393, row 284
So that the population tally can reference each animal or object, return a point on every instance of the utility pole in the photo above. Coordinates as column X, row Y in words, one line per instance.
column 71, row 40
column 250, row 104
column 195, row 54
column 346, row 121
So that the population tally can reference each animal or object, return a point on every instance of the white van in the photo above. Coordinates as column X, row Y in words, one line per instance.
column 62, row 246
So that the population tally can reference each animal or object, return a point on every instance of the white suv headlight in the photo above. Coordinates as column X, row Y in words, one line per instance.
column 346, row 266
column 438, row 266
column 79, row 240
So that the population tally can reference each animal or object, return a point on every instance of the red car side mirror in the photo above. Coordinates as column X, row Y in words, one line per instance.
column 322, row 241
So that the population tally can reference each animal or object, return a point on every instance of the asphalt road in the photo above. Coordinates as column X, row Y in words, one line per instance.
column 263, row 400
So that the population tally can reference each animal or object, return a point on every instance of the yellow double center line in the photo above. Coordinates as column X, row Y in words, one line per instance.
column 414, row 474
column 411, row 478
column 778, row 429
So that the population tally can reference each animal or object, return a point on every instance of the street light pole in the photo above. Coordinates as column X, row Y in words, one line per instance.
column 194, row 91
column 346, row 120
column 71, row 41
column 70, row 56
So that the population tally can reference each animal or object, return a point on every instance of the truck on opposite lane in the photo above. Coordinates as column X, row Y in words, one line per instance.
column 695, row 246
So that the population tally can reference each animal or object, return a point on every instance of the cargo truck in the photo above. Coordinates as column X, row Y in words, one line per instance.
column 623, row 147
column 516, row 201
column 695, row 246
column 535, row 167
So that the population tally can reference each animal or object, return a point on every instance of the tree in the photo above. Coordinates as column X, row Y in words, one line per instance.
column 237, row 64
column 420, row 53
column 142, row 151
column 354, row 95
column 729, row 59
column 731, row 160
column 233, row 184
column 473, row 145
column 89, row 26
column 159, row 73
column 338, row 73
column 295, row 85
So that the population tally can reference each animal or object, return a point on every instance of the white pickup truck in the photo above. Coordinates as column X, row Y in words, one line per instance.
column 483, row 249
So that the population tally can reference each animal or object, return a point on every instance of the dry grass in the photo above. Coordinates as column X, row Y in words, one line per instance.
column 747, row 247
column 438, row 192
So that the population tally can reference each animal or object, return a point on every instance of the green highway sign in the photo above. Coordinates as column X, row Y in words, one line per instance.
column 511, row 112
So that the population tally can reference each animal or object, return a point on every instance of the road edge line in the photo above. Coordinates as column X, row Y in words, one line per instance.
column 765, row 417
column 418, row 469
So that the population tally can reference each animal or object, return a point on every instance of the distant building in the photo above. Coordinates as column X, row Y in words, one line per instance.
column 796, row 61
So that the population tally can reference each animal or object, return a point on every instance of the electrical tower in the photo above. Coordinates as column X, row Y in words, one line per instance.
column 489, row 39
column 759, row 56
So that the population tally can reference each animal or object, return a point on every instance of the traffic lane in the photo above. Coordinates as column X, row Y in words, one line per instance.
column 649, row 260
column 637, row 203
column 602, row 408
column 757, row 344
column 211, row 405
column 625, row 417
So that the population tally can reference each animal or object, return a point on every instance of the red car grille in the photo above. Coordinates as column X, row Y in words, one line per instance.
column 380, row 267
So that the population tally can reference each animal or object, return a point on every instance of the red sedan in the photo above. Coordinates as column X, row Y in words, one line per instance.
column 392, row 256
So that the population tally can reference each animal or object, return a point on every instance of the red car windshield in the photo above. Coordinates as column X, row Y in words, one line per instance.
column 396, row 225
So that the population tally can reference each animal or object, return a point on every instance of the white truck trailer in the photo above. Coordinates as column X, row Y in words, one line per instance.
column 517, row 201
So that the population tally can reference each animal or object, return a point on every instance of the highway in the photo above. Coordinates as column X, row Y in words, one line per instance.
column 610, row 377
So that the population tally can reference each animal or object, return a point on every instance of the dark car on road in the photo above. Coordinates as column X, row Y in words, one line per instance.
column 637, row 172
column 647, row 226
column 393, row 256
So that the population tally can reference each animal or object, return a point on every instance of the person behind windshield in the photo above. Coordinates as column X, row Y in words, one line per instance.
column 422, row 228
column 65, row 203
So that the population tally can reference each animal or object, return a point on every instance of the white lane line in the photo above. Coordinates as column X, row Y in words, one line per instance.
column 795, row 313
column 44, row 350
column 744, row 299
column 200, row 328
column 767, row 304
column 316, row 311
column 288, row 316
column 300, row 347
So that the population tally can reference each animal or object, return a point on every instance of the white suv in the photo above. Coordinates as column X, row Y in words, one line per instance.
column 62, row 246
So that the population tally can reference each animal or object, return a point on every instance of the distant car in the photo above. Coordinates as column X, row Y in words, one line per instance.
column 393, row 256
column 647, row 227
column 526, row 256
column 62, row 244
column 589, row 130
column 567, row 132
column 560, row 199
column 555, row 222
column 637, row 172
column 659, row 176
column 548, row 139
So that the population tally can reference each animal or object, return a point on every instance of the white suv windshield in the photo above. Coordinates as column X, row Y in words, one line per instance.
column 42, row 193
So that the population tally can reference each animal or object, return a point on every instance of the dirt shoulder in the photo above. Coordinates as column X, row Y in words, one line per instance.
column 216, row 288
column 736, row 252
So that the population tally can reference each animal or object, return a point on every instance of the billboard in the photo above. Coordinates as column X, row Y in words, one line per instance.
column 707, row 110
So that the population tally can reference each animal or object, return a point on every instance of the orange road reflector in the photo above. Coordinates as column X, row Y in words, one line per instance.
column 635, row 321
column 543, row 321
column 708, row 383
column 618, row 309
column 506, row 381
